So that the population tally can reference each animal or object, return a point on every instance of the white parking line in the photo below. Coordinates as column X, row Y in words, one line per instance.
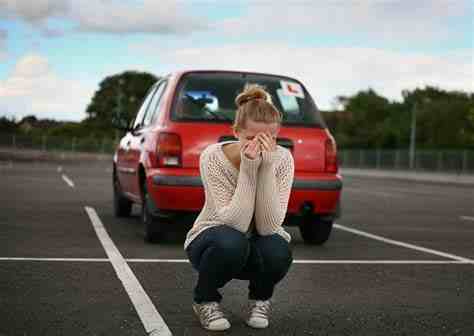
column 158, row 260
column 402, row 244
column 297, row 261
column 149, row 315
column 469, row 218
column 316, row 261
column 68, row 181
column 55, row 259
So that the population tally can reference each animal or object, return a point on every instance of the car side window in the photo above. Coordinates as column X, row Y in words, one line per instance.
column 154, row 104
column 141, row 112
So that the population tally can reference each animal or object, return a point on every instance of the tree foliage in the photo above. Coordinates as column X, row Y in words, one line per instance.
column 7, row 125
column 444, row 119
column 118, row 94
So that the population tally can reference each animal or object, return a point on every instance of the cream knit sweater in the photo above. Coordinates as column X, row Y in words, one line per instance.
column 261, row 187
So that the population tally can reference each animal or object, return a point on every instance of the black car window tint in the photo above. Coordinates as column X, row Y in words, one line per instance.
column 210, row 96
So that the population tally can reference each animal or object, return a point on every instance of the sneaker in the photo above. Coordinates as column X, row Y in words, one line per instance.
column 259, row 314
column 211, row 316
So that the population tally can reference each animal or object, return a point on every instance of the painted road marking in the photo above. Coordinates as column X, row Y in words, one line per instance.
column 56, row 259
column 316, row 261
column 467, row 218
column 150, row 317
column 399, row 243
column 68, row 181
column 297, row 261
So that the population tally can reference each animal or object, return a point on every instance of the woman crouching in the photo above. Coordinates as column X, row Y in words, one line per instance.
column 239, row 233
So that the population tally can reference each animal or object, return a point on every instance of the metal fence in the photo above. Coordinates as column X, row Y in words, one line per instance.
column 59, row 144
column 453, row 161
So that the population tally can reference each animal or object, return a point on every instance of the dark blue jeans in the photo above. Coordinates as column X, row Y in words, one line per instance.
column 222, row 253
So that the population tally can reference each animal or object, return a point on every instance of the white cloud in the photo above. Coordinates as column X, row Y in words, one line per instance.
column 34, row 11
column 34, row 88
column 393, row 22
column 152, row 16
column 330, row 72
column 106, row 16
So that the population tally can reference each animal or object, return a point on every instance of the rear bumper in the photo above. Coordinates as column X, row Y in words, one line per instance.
column 186, row 194
column 195, row 181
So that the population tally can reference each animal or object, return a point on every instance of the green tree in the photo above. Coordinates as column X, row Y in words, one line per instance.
column 369, row 123
column 7, row 125
column 443, row 117
column 122, row 93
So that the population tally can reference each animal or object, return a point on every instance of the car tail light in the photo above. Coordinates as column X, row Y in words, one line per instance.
column 331, row 156
column 169, row 150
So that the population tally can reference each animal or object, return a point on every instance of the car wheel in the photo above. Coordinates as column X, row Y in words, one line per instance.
column 315, row 231
column 122, row 205
column 151, row 224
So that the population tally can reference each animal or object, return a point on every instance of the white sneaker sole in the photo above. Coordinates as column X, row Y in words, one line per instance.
column 257, row 325
column 221, row 327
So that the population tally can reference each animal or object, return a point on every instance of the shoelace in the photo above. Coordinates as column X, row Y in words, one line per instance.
column 261, row 309
column 211, row 312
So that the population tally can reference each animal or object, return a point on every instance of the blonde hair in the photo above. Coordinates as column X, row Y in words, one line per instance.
column 256, row 104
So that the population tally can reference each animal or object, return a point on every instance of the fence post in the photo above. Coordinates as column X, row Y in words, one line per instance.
column 73, row 144
column 416, row 159
column 464, row 161
column 361, row 158
column 397, row 159
column 377, row 158
column 102, row 148
column 440, row 160
column 43, row 143
column 14, row 140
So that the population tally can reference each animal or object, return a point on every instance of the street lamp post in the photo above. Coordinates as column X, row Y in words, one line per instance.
column 119, row 108
column 413, row 136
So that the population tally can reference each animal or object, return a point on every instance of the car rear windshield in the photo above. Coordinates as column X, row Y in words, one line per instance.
column 210, row 96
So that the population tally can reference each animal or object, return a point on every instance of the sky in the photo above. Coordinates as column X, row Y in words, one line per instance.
column 54, row 53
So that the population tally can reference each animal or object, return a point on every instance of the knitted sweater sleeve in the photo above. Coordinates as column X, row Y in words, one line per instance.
column 274, row 183
column 231, row 205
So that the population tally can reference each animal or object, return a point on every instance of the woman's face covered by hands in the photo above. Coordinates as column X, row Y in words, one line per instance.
column 258, row 137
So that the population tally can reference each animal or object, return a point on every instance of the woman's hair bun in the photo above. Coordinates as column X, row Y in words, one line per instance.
column 251, row 92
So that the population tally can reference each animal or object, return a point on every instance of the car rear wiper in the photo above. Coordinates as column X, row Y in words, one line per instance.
column 202, row 106
column 218, row 116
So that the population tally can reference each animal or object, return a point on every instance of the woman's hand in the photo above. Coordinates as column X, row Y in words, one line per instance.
column 252, row 149
column 267, row 142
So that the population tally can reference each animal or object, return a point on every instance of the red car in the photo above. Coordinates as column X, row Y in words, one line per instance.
column 156, row 163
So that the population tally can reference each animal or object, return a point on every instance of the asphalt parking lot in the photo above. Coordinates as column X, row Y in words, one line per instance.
column 400, row 262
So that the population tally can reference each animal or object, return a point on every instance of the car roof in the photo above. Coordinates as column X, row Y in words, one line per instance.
column 183, row 72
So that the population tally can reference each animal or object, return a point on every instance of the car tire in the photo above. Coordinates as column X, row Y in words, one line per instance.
column 152, row 228
column 315, row 231
column 122, row 205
